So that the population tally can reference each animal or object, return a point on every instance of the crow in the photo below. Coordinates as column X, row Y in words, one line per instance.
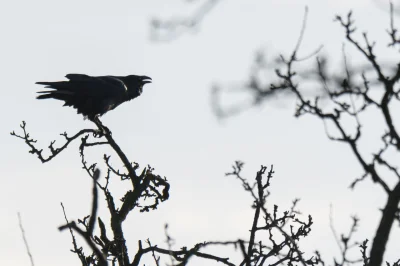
column 94, row 96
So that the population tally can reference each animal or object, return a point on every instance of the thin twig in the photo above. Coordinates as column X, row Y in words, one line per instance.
column 24, row 238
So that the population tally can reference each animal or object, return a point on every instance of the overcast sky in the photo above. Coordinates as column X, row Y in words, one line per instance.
column 172, row 126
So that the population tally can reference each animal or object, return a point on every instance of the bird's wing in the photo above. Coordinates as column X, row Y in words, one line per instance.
column 115, row 82
column 103, row 85
column 86, row 93
column 81, row 77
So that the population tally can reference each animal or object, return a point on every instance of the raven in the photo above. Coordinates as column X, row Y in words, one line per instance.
column 94, row 96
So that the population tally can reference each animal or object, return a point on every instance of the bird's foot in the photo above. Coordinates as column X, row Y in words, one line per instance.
column 98, row 133
column 103, row 130
column 106, row 131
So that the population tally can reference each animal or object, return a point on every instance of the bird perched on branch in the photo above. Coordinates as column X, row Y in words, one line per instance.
column 94, row 96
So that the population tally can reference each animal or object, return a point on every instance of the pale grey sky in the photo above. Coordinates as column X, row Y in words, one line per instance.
column 171, row 126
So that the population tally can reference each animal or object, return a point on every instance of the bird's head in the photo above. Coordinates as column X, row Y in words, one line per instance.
column 135, row 83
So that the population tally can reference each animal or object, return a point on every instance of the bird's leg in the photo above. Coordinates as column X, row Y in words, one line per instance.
column 103, row 130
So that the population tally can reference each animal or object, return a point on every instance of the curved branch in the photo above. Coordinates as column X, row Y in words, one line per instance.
column 54, row 151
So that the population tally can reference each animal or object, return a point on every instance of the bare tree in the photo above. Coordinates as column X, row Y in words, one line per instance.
column 145, row 191
column 336, row 97
column 348, row 96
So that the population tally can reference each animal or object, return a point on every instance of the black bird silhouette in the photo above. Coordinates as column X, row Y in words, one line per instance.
column 94, row 96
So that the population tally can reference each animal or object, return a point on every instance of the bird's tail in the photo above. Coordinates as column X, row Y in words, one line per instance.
column 60, row 91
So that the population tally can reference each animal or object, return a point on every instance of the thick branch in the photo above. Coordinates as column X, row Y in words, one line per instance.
column 385, row 226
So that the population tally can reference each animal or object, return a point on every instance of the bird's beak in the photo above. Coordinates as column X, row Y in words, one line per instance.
column 146, row 79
